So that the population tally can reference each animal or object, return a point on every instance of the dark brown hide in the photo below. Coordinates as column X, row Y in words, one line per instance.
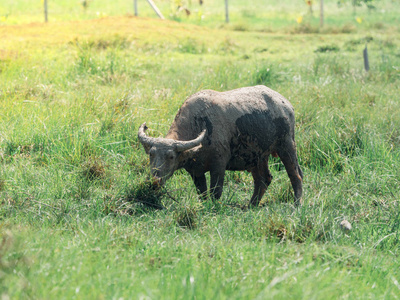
column 243, row 127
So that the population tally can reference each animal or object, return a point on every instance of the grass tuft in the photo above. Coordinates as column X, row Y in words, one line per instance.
column 145, row 194
column 2, row 185
column 186, row 216
column 274, row 229
column 327, row 48
column 266, row 75
column 92, row 169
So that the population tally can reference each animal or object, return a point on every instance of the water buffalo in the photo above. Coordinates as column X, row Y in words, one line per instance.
column 232, row 130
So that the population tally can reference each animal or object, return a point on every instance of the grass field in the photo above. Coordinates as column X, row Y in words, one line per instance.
column 73, row 93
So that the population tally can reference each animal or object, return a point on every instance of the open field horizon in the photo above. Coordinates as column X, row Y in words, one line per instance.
column 259, row 15
column 73, row 93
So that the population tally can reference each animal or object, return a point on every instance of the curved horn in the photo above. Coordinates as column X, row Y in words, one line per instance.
column 186, row 145
column 143, row 138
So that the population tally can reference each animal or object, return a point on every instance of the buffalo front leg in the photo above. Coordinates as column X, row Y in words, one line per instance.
column 217, row 181
column 262, row 179
column 201, row 185
column 288, row 157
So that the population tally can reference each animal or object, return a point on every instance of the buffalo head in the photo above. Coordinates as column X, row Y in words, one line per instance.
column 167, row 155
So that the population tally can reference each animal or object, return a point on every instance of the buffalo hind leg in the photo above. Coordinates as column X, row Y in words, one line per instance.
column 262, row 179
column 288, row 157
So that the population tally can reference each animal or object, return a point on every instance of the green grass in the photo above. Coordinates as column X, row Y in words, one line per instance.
column 75, row 219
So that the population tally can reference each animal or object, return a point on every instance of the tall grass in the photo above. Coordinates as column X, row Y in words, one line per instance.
column 74, row 222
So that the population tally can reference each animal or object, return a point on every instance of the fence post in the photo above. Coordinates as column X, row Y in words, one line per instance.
column 226, row 12
column 45, row 11
column 366, row 62
column 321, row 13
column 158, row 12
column 135, row 7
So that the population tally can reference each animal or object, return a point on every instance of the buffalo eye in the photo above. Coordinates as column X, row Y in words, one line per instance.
column 170, row 156
column 151, row 154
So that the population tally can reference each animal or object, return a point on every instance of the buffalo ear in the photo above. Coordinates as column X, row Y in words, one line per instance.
column 146, row 148
column 188, row 154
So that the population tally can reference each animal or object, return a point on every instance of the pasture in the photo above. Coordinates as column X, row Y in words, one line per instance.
column 74, row 91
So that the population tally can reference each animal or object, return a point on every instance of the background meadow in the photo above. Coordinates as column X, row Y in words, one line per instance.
column 74, row 91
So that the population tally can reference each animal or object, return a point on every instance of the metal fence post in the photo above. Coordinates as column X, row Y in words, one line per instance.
column 226, row 12
column 45, row 11
column 321, row 13
column 366, row 62
column 135, row 7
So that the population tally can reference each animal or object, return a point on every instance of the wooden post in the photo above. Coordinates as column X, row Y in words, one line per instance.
column 45, row 11
column 321, row 13
column 135, row 7
column 158, row 12
column 226, row 12
column 366, row 62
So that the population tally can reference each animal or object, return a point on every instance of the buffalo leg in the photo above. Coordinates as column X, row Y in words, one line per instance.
column 201, row 185
column 288, row 157
column 262, row 179
column 217, row 182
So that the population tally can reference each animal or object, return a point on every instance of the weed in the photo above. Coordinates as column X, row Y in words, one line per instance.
column 227, row 45
column 93, row 169
column 103, row 43
column 266, row 75
column 274, row 228
column 304, row 28
column 348, row 28
column 352, row 44
column 107, row 125
column 145, row 194
column 186, row 216
column 191, row 46
column 14, row 148
column 284, row 191
column 327, row 48
column 105, row 69
column 240, row 27
column 303, row 232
